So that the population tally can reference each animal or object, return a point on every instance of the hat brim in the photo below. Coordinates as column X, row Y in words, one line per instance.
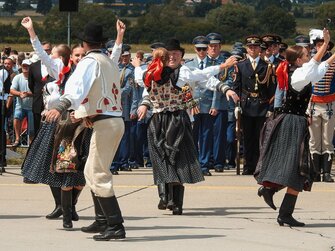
column 82, row 37
column 126, row 53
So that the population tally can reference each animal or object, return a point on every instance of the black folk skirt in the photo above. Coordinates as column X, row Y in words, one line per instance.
column 284, row 154
column 172, row 150
column 36, row 166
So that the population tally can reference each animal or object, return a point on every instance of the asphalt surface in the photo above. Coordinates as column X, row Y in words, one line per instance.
column 221, row 213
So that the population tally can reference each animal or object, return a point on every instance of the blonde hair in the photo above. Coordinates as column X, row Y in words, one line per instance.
column 161, row 53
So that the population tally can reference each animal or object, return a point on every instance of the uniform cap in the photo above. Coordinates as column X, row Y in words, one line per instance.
column 302, row 40
column 200, row 42
column 253, row 40
column 214, row 38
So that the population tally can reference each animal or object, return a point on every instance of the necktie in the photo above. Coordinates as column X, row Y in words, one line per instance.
column 254, row 64
column 201, row 66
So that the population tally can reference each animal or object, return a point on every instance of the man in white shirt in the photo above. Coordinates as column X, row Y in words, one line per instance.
column 24, row 102
column 93, row 91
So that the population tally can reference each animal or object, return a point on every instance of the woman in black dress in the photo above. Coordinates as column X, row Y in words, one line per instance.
column 279, row 167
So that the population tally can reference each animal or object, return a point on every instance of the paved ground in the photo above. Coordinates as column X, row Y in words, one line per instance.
column 222, row 213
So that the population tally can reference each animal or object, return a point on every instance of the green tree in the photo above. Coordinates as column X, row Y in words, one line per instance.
column 56, row 22
column 159, row 23
column 276, row 20
column 323, row 13
column 201, row 9
column 43, row 6
column 233, row 21
column 10, row 6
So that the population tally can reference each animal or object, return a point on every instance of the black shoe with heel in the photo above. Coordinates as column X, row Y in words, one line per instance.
column 267, row 194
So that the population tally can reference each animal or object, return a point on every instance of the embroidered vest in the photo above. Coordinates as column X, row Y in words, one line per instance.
column 324, row 90
column 166, row 97
column 104, row 95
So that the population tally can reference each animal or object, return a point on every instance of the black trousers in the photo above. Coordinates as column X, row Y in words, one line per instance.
column 37, row 122
column 3, row 132
column 251, row 127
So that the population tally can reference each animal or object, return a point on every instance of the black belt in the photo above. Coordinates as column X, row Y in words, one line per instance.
column 101, row 117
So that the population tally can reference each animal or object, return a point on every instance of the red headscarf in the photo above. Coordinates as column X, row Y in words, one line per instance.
column 282, row 75
column 155, row 69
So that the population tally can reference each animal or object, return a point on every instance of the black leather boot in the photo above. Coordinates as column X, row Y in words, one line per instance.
column 327, row 166
column 178, row 197
column 286, row 211
column 75, row 196
column 162, row 193
column 57, row 212
column 170, row 205
column 100, row 223
column 67, row 208
column 316, row 160
column 267, row 194
column 115, row 229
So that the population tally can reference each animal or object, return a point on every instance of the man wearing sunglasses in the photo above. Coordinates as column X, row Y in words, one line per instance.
column 204, row 120
column 220, row 104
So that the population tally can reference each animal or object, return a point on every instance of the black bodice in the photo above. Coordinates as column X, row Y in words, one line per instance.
column 297, row 102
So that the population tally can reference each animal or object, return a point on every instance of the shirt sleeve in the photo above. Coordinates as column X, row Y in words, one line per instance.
column 312, row 71
column 138, row 74
column 3, row 76
column 204, row 78
column 15, row 83
column 116, row 53
column 80, row 82
column 54, row 66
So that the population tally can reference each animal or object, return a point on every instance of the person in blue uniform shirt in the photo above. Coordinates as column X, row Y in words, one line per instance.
column 204, row 120
column 121, row 159
column 220, row 103
column 253, row 83
column 272, row 45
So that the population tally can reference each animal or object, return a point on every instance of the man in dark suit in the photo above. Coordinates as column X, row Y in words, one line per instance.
column 254, row 85
column 37, row 78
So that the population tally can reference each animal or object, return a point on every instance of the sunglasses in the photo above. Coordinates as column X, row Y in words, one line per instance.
column 201, row 48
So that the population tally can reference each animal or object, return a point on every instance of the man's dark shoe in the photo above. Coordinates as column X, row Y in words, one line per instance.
column 95, row 227
column 267, row 194
column 247, row 172
column 327, row 178
column 218, row 169
column 115, row 232
column 125, row 168
column 114, row 172
column 206, row 173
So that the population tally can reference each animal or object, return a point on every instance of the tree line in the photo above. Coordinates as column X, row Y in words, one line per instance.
column 174, row 19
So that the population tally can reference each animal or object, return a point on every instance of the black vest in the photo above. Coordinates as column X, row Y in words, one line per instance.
column 297, row 102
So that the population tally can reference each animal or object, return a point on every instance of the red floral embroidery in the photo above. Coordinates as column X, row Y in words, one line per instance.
column 106, row 101
column 84, row 101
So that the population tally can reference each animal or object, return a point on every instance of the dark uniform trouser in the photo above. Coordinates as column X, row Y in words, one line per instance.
column 251, row 130
column 2, row 134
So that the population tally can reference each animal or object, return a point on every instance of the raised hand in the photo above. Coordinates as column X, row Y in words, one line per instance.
column 326, row 35
column 120, row 27
column 27, row 23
